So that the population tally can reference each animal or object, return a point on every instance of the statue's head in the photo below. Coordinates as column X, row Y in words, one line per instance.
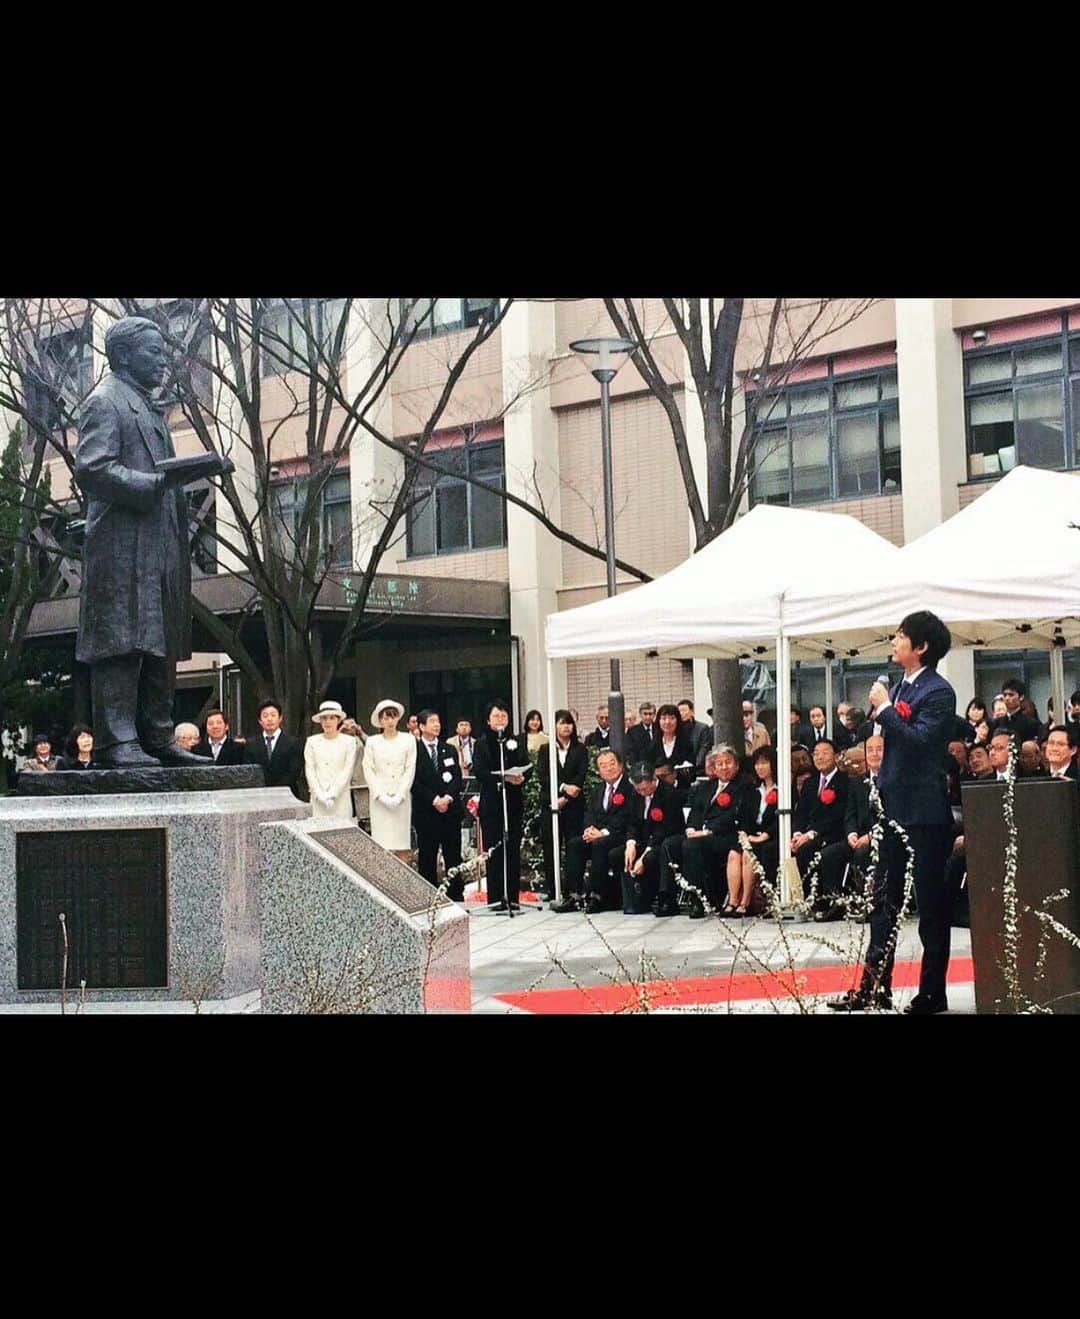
column 134, row 344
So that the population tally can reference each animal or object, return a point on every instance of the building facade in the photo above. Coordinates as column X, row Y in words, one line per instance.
column 900, row 417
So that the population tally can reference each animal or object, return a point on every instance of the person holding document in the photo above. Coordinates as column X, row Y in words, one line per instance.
column 500, row 763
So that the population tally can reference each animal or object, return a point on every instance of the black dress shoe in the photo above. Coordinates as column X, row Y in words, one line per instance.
column 857, row 1000
column 497, row 906
column 921, row 1006
column 593, row 904
column 665, row 906
column 697, row 910
column 569, row 903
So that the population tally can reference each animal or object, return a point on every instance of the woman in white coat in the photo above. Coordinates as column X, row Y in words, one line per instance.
column 329, row 759
column 389, row 766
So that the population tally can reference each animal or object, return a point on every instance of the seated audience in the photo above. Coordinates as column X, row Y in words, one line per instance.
column 598, row 849
column 218, row 743
column 712, row 829
column 600, row 737
column 79, row 750
column 999, row 754
column 854, row 847
column 801, row 733
column 761, row 829
column 844, row 735
column 975, row 714
column 818, row 818
column 187, row 736
column 1029, row 762
column 801, row 769
column 657, row 816
column 979, row 766
column 42, row 761
column 1060, row 754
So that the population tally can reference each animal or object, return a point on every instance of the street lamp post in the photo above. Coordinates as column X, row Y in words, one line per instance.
column 605, row 373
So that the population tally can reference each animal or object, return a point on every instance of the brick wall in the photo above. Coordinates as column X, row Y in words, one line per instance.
column 478, row 565
column 882, row 513
column 589, row 680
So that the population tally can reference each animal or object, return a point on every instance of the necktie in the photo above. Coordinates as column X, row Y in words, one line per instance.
column 821, row 786
column 721, row 789
column 434, row 749
column 607, row 796
column 215, row 747
column 269, row 746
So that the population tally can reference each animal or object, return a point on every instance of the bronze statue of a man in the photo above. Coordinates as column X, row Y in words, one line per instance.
column 135, row 605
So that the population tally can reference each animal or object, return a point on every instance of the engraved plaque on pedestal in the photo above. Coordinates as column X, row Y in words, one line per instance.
column 388, row 873
column 111, row 886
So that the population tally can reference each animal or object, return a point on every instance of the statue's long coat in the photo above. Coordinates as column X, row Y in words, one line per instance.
column 136, row 586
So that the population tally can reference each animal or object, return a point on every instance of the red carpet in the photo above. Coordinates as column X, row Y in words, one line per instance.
column 717, row 989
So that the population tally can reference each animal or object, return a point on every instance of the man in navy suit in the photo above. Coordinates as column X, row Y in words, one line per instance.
column 916, row 721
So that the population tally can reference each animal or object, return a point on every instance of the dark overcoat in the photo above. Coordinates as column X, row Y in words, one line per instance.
column 136, row 585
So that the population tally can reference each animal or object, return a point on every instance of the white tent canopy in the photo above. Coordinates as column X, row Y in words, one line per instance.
column 1003, row 572
column 733, row 597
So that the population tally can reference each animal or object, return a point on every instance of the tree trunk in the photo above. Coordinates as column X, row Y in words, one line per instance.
column 726, row 685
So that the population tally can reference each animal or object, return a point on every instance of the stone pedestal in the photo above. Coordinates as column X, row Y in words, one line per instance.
column 347, row 927
column 178, row 869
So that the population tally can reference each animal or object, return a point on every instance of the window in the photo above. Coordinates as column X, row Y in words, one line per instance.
column 1021, row 404
column 202, row 523
column 283, row 332
column 431, row 316
column 448, row 514
column 827, row 440
column 65, row 377
column 335, row 517
column 186, row 330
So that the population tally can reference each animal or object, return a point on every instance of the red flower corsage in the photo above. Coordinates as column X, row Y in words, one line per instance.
column 828, row 797
column 723, row 799
column 617, row 799
column 771, row 798
column 903, row 710
column 473, row 806
column 656, row 814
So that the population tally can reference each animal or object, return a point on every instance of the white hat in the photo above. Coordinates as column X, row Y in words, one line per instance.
column 328, row 707
column 386, row 705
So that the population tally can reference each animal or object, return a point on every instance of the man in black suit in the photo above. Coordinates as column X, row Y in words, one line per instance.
column 1014, row 721
column 701, row 735
column 1060, row 754
column 801, row 733
column 817, row 725
column 216, row 742
column 843, row 734
column 854, row 847
column 643, row 737
column 600, row 737
column 658, row 815
column 436, row 804
column 496, row 750
column 601, row 844
column 818, row 818
column 274, row 750
column 712, row 830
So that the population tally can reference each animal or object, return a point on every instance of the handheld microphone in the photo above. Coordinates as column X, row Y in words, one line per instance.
column 500, row 733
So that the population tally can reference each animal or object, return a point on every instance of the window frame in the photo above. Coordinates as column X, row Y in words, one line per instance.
column 430, row 482
column 269, row 365
column 1066, row 377
column 467, row 318
column 294, row 488
column 886, row 406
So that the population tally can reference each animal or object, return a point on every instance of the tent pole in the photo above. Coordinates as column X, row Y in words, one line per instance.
column 828, row 696
column 783, row 758
column 1057, row 680
column 553, row 766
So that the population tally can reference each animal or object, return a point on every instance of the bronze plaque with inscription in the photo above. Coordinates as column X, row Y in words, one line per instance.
column 391, row 876
column 111, row 886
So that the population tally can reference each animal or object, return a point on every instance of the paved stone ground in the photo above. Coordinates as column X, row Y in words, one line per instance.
column 515, row 955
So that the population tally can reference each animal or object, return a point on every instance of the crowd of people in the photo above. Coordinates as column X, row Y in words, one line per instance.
column 671, row 803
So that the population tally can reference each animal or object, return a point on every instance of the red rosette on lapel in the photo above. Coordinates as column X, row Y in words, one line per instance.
column 771, row 797
column 656, row 814
column 903, row 710
column 723, row 799
column 827, row 797
column 617, row 799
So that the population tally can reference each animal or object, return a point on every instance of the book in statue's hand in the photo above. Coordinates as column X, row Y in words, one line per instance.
column 179, row 471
